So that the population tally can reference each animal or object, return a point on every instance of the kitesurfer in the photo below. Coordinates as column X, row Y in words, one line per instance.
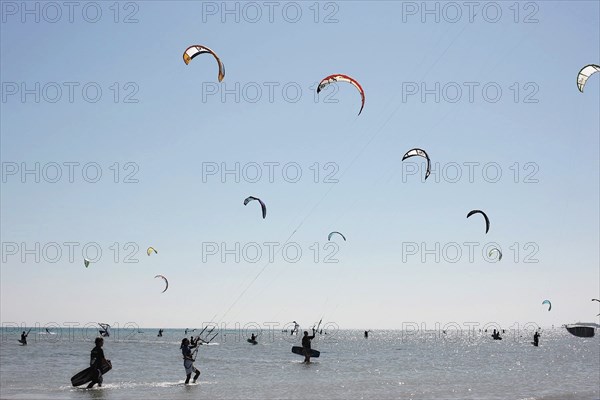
column 104, row 331
column 23, row 338
column 366, row 334
column 188, row 361
column 536, row 338
column 96, row 361
column 253, row 337
column 160, row 331
column 306, row 345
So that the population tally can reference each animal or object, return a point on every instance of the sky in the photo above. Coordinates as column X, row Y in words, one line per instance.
column 110, row 143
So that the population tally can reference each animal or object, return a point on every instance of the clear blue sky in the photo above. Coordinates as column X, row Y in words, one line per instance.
column 170, row 132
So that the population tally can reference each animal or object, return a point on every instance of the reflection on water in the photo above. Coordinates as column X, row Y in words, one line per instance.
column 389, row 364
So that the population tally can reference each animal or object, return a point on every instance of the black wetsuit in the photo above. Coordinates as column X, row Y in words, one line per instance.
column 306, row 346
column 96, row 360
column 306, row 342
column 536, row 338
column 23, row 338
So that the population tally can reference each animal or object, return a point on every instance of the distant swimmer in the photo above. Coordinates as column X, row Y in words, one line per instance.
column 160, row 331
column 96, row 361
column 23, row 340
column 188, row 361
column 536, row 338
column 306, row 346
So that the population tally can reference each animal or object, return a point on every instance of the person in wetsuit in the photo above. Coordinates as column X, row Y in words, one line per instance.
column 96, row 361
column 536, row 338
column 188, row 361
column 366, row 334
column 160, row 331
column 306, row 345
column 23, row 339
column 253, row 337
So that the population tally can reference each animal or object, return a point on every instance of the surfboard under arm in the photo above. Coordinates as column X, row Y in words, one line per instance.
column 87, row 375
column 300, row 351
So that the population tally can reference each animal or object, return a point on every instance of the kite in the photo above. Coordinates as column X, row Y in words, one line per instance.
column 421, row 153
column 584, row 74
column 499, row 253
column 195, row 50
column 343, row 78
column 86, row 262
column 151, row 250
column 596, row 300
column 331, row 234
column 487, row 220
column 166, row 282
column 262, row 205
column 549, row 304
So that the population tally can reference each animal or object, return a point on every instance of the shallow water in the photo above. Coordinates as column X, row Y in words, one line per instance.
column 388, row 365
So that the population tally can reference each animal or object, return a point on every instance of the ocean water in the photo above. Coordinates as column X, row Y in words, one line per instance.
column 387, row 365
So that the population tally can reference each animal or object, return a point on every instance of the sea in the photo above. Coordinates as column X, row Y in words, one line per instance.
column 389, row 364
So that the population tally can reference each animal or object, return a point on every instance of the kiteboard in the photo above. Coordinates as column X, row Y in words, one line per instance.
column 300, row 351
column 252, row 341
column 87, row 375
column 22, row 342
column 535, row 344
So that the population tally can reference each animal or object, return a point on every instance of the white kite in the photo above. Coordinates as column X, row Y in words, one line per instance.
column 585, row 73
